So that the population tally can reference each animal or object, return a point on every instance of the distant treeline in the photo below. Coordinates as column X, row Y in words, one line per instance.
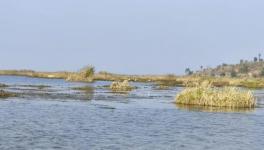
column 245, row 68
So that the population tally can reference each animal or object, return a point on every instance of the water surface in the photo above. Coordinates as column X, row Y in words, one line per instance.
column 58, row 117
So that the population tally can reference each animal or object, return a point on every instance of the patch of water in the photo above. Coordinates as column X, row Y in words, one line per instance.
column 146, row 118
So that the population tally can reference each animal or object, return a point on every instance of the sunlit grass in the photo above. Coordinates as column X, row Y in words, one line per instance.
column 121, row 86
column 87, row 74
column 218, row 97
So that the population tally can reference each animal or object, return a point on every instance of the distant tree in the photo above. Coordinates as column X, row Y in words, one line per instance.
column 188, row 71
column 261, row 60
column 201, row 67
column 87, row 71
column 255, row 59
column 259, row 56
column 243, row 68
column 262, row 72
column 222, row 74
column 233, row 74
column 241, row 61
column 224, row 64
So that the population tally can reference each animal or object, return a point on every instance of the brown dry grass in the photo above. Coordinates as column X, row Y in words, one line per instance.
column 121, row 86
column 206, row 95
column 162, row 80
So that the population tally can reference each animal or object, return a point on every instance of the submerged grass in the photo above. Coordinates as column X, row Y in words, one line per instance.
column 3, row 85
column 40, row 87
column 4, row 94
column 217, row 97
column 84, row 88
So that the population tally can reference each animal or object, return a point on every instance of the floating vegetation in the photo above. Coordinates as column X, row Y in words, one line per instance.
column 40, row 87
column 55, row 96
column 3, row 85
column 84, row 88
column 121, row 86
column 162, row 87
column 4, row 94
column 206, row 95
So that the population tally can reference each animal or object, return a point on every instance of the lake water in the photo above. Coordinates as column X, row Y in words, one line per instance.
column 58, row 117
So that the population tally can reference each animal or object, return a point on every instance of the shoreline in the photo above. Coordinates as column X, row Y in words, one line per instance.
column 164, row 81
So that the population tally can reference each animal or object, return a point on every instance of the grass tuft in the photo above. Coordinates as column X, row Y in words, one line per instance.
column 121, row 86
column 206, row 95
column 86, row 74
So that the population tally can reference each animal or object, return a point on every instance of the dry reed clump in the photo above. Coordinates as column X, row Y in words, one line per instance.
column 121, row 86
column 86, row 74
column 78, row 78
column 206, row 95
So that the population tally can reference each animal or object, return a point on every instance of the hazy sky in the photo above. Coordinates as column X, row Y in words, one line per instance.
column 129, row 36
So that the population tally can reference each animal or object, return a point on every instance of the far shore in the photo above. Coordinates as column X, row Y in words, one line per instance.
column 164, row 81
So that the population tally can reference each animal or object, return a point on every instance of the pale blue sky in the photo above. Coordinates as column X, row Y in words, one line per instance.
column 129, row 36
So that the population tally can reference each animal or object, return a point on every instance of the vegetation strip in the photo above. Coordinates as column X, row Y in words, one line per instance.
column 121, row 86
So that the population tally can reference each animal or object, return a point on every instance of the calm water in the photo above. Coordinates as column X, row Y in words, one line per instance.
column 58, row 117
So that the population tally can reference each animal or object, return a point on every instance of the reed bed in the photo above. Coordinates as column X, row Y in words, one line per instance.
column 86, row 74
column 217, row 97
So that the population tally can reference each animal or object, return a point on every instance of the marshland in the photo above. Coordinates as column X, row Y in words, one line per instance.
column 131, row 75
column 99, row 109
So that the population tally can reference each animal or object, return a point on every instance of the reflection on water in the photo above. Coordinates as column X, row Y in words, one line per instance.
column 86, row 91
column 54, row 114
column 213, row 109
